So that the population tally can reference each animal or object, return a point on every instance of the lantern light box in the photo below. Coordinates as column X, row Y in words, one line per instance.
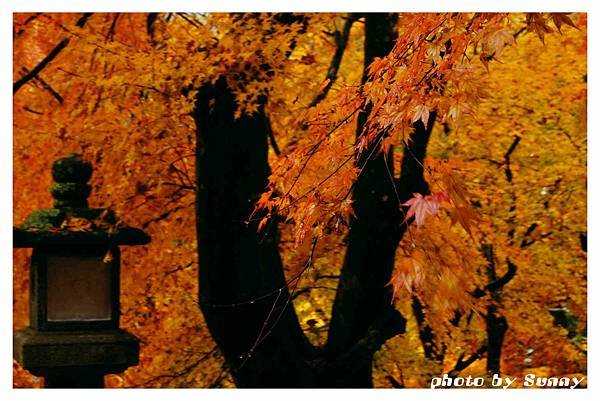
column 75, row 288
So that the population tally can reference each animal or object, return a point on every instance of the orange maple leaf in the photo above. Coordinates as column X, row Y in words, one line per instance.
column 409, row 276
column 465, row 216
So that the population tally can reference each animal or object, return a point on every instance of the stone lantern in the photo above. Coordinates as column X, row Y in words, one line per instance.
column 74, row 337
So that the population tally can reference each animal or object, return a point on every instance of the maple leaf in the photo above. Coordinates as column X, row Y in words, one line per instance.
column 435, row 199
column 420, row 205
column 465, row 216
column 433, row 51
column 456, row 191
column 407, row 276
column 536, row 23
column 421, row 112
column 417, row 207
column 263, row 222
column 453, row 112
column 561, row 18
column 108, row 257
column 493, row 45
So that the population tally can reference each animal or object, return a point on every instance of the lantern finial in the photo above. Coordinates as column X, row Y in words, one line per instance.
column 71, row 175
column 71, row 221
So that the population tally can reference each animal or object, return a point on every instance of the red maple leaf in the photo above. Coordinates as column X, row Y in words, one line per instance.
column 420, row 205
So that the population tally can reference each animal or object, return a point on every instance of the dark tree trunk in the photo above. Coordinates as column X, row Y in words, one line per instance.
column 495, row 323
column 363, row 301
column 243, row 294
column 496, row 326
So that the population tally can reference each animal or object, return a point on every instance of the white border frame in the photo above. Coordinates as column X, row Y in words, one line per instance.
column 7, row 7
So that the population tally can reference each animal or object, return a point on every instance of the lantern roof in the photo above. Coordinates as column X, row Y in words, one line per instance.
column 71, row 221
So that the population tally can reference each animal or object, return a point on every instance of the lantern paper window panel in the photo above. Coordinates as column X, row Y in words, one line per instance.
column 78, row 288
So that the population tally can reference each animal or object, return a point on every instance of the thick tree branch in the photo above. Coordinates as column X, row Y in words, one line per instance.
column 260, row 337
column 375, row 230
column 497, row 284
column 495, row 322
column 412, row 167
column 389, row 325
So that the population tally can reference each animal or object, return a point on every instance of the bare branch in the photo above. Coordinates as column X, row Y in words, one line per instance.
column 51, row 56
column 395, row 383
column 25, row 23
column 111, row 31
column 81, row 21
column 509, row 152
column 163, row 216
column 46, row 86
column 341, row 40
column 502, row 281
column 462, row 364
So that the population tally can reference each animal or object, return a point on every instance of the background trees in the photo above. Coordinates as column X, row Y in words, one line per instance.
column 183, row 114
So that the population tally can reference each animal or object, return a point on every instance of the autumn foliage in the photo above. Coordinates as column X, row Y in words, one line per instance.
column 494, row 243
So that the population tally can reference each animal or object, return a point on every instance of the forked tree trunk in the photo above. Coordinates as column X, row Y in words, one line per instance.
column 259, row 335
column 362, row 297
